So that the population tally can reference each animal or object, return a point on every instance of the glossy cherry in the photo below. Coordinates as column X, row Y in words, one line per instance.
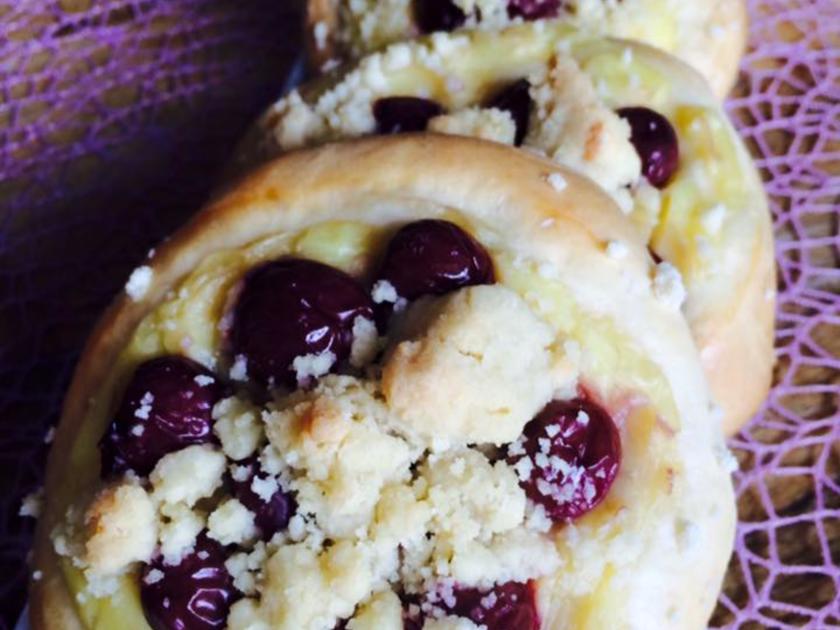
column 193, row 595
column 438, row 15
column 402, row 114
column 573, row 453
column 270, row 516
column 509, row 606
column 434, row 257
column 166, row 406
column 291, row 308
column 516, row 100
column 656, row 143
column 534, row 9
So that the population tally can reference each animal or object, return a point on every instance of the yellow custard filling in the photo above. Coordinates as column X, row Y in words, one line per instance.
column 714, row 174
column 611, row 364
column 371, row 25
column 699, row 221
column 121, row 610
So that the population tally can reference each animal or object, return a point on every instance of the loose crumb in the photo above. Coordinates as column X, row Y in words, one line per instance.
column 315, row 365
column 32, row 503
column 139, row 282
column 668, row 285
column 617, row 250
column 321, row 33
column 239, row 369
column 384, row 291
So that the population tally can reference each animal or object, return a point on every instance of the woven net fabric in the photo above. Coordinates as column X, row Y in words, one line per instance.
column 785, row 572
column 115, row 116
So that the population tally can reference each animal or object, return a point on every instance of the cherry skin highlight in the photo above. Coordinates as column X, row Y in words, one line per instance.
column 166, row 407
column 195, row 594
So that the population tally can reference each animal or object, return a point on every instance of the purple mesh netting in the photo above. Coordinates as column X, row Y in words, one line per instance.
column 116, row 114
column 785, row 572
column 114, row 117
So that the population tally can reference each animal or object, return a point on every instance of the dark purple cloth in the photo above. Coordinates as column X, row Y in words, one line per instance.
column 114, row 120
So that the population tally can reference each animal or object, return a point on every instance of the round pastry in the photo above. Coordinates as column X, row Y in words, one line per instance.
column 639, row 123
column 384, row 384
column 709, row 35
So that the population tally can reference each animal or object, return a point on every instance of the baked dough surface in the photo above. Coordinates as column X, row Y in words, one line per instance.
column 709, row 35
column 711, row 221
column 653, row 554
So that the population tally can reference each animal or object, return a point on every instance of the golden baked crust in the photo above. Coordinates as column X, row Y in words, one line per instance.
column 726, row 261
column 710, row 36
column 508, row 190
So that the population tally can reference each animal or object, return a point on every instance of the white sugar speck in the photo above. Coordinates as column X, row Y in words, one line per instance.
column 384, row 291
column 582, row 418
column 240, row 473
column 264, row 488
column 557, row 182
column 321, row 32
column 153, row 576
column 139, row 282
column 145, row 408
column 31, row 505
column 668, row 286
column 365, row 344
column 617, row 250
column 712, row 219
column 239, row 369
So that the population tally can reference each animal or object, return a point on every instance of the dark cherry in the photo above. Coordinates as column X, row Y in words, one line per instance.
column 534, row 9
column 290, row 308
column 438, row 15
column 165, row 407
column 516, row 100
column 402, row 114
column 412, row 615
column 270, row 516
column 434, row 257
column 193, row 595
column 656, row 143
column 412, row 623
column 575, row 450
column 509, row 606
